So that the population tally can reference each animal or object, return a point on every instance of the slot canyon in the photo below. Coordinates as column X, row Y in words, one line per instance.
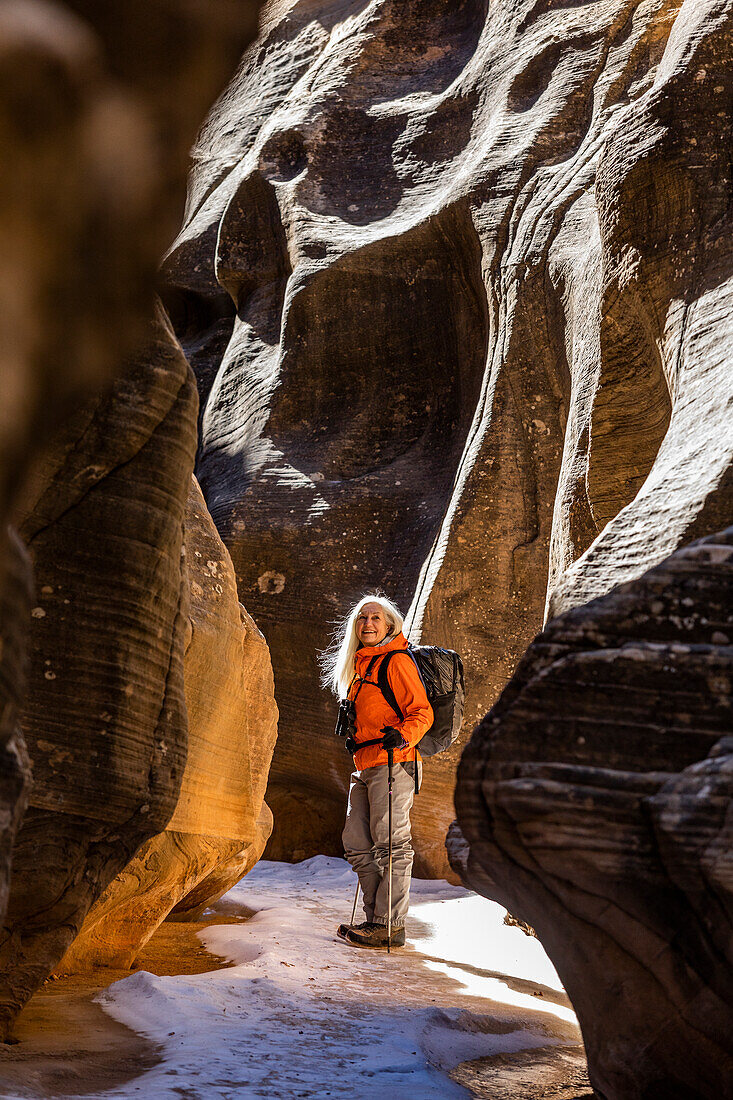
column 308, row 299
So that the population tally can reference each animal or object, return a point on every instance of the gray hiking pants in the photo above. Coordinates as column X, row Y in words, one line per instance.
column 366, row 838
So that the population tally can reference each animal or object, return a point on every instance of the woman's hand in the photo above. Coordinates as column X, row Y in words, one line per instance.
column 392, row 739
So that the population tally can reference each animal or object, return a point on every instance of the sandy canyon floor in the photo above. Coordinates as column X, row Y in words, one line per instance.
column 261, row 999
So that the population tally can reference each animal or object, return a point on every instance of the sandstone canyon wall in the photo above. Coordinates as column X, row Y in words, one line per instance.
column 220, row 823
column 104, row 529
column 595, row 801
column 97, row 429
column 455, row 281
column 452, row 281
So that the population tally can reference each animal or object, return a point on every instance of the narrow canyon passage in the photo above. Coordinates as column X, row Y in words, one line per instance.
column 314, row 304
column 300, row 1014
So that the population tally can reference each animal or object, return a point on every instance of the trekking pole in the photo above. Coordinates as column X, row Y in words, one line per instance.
column 390, row 758
column 356, row 898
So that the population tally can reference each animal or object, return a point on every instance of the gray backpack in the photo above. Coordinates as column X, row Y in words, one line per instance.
column 441, row 671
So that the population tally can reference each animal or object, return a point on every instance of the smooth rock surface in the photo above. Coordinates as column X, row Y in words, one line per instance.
column 454, row 282
column 594, row 801
column 220, row 823
column 229, row 693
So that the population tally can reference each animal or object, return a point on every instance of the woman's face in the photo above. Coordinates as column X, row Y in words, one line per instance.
column 371, row 624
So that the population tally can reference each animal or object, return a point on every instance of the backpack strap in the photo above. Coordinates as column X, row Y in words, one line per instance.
column 384, row 685
column 363, row 680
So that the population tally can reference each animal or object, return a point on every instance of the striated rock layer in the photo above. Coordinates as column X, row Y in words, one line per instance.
column 105, row 717
column 455, row 283
column 100, row 103
column 220, row 823
column 594, row 800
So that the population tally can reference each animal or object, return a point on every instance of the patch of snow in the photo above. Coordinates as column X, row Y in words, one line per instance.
column 302, row 1014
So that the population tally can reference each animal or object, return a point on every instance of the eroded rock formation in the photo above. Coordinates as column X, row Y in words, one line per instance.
column 105, row 718
column 453, row 282
column 98, row 114
column 594, row 800
column 220, row 823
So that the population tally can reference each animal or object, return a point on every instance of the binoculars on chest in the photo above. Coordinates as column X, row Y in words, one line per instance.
column 346, row 718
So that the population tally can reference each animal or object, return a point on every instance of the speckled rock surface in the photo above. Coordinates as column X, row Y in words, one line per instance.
column 594, row 800
column 454, row 283
column 220, row 823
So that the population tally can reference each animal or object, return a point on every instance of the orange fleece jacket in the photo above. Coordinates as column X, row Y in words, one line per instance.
column 373, row 711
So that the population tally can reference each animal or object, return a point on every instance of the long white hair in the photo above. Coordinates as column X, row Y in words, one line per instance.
column 337, row 662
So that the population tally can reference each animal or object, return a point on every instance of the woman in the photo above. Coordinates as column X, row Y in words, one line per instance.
column 372, row 629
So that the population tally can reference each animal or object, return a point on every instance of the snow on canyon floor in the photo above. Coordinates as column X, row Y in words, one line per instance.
column 301, row 1014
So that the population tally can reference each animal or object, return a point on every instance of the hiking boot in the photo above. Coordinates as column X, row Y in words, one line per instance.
column 343, row 929
column 375, row 935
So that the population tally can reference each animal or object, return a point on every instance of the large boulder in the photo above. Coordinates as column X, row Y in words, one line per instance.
column 220, row 823
column 453, row 283
column 595, row 801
